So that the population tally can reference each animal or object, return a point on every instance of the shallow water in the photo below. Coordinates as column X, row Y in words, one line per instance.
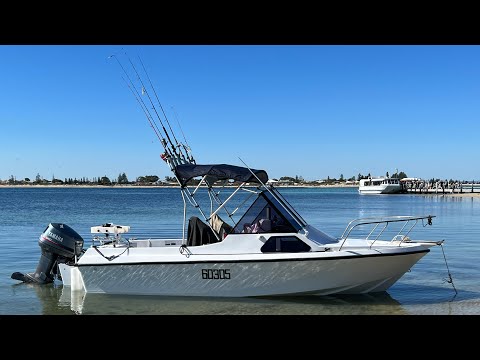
column 25, row 212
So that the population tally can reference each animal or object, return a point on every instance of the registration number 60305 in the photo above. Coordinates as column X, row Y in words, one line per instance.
column 215, row 274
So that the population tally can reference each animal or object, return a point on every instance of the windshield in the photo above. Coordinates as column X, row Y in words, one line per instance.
column 266, row 214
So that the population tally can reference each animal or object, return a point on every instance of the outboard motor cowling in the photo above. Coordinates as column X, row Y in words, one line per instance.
column 59, row 243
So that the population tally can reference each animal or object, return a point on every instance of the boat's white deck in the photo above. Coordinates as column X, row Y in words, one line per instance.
column 155, row 242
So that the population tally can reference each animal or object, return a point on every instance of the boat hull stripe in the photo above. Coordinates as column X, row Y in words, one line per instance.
column 353, row 257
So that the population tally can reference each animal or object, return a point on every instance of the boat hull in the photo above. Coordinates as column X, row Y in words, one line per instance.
column 316, row 276
column 380, row 189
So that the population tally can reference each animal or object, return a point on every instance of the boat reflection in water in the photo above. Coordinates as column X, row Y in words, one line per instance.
column 84, row 303
column 56, row 299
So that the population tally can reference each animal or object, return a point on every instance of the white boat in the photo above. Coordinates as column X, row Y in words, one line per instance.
column 265, row 263
column 380, row 185
column 264, row 248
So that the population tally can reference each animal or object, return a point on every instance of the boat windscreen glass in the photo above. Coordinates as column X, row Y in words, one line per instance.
column 266, row 215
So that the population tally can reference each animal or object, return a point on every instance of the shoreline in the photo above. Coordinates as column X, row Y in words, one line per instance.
column 157, row 186
column 464, row 194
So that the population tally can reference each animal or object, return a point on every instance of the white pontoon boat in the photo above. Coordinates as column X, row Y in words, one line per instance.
column 381, row 185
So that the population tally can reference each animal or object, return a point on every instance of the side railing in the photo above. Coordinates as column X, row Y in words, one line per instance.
column 385, row 221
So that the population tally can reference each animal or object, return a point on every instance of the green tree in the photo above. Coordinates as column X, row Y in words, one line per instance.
column 105, row 180
column 151, row 178
column 56, row 181
column 122, row 178
column 287, row 178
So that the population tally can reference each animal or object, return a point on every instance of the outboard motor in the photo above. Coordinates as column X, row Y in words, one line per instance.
column 59, row 243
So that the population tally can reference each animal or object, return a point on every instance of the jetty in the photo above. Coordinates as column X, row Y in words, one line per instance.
column 418, row 186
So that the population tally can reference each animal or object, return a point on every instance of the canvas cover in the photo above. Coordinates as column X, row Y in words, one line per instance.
column 185, row 172
column 199, row 233
column 220, row 226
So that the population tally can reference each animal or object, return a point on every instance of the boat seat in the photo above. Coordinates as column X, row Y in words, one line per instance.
column 260, row 226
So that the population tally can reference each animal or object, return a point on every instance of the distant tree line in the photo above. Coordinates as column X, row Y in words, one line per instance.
column 399, row 175
column 333, row 180
column 153, row 179
column 121, row 179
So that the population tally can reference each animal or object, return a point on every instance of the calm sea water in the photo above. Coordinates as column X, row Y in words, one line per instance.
column 25, row 212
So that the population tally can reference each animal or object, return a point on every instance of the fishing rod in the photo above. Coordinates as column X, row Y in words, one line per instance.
column 168, row 156
column 145, row 110
column 187, row 147
column 144, row 107
column 163, row 111
column 178, row 158
column 150, row 119
column 171, row 157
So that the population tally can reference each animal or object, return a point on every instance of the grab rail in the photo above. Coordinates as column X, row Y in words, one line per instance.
column 384, row 220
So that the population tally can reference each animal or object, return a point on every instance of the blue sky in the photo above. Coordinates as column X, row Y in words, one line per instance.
column 312, row 111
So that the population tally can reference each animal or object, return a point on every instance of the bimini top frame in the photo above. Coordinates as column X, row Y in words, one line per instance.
column 224, row 173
